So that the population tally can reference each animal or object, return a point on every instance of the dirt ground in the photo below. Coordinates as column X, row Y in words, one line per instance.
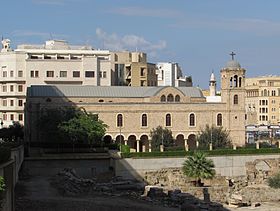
column 36, row 194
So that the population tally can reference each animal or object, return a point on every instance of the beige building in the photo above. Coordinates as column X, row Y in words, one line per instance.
column 132, row 69
column 263, row 100
column 131, row 112
column 57, row 62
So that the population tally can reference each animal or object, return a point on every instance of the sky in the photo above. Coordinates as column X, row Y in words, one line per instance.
column 197, row 34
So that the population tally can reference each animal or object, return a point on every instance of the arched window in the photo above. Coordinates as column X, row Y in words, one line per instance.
column 144, row 120
column 177, row 98
column 240, row 79
column 119, row 120
column 219, row 120
column 163, row 98
column 235, row 99
column 168, row 120
column 265, row 92
column 235, row 81
column 192, row 120
column 170, row 98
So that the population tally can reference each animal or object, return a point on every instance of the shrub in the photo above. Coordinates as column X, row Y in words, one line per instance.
column 125, row 148
column 274, row 181
column 5, row 154
column 2, row 184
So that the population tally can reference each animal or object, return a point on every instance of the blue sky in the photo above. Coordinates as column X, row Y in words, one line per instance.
column 198, row 34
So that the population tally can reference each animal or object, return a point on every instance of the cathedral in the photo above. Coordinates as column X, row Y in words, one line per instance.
column 132, row 112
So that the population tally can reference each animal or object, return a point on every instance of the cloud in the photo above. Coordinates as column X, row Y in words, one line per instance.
column 146, row 12
column 43, row 35
column 255, row 26
column 129, row 42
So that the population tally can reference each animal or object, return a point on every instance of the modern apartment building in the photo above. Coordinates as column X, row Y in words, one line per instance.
column 170, row 74
column 132, row 69
column 263, row 100
column 55, row 62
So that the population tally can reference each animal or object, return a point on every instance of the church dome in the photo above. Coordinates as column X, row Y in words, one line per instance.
column 232, row 64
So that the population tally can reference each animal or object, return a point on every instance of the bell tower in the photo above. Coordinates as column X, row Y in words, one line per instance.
column 233, row 95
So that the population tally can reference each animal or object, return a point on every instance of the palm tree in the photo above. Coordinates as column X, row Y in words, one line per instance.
column 199, row 167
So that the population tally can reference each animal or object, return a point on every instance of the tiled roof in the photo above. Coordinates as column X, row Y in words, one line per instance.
column 103, row 91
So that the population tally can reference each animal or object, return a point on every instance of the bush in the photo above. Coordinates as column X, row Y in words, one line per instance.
column 217, row 152
column 174, row 148
column 125, row 148
column 2, row 184
column 274, row 181
column 5, row 154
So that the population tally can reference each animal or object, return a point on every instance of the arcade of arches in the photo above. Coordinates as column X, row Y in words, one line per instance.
column 144, row 143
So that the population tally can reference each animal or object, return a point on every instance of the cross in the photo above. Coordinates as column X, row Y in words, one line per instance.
column 232, row 55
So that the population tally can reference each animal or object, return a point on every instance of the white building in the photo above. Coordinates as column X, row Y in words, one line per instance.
column 170, row 74
column 55, row 62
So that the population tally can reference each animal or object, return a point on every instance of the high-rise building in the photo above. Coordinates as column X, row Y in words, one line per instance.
column 170, row 74
column 132, row 69
column 263, row 100
column 55, row 62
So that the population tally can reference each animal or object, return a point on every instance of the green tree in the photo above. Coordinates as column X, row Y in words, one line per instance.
column 161, row 135
column 217, row 135
column 199, row 167
column 12, row 133
column 84, row 126
column 2, row 184
column 49, row 121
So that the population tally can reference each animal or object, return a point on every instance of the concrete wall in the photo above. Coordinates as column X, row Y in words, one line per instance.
column 9, row 171
column 225, row 165
column 86, row 168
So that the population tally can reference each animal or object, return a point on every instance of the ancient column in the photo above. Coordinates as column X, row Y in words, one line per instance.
column 125, row 142
column 150, row 145
column 186, row 145
column 144, row 148
column 257, row 145
column 138, row 146
column 210, row 146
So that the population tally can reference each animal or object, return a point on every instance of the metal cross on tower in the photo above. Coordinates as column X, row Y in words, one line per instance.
column 232, row 55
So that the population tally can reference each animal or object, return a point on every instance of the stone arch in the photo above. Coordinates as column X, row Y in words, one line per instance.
column 170, row 98
column 177, row 98
column 180, row 140
column 162, row 98
column 132, row 143
column 192, row 141
column 119, row 139
column 144, row 143
column 107, row 139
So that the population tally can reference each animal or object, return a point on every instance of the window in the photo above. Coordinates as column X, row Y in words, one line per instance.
column 63, row 74
column 192, row 120
column 177, row 98
column 144, row 120
column 4, row 88
column 170, row 98
column 104, row 74
column 235, row 99
column 20, row 88
column 163, row 98
column 4, row 116
column 11, row 102
column 273, row 93
column 219, row 120
column 119, row 120
column 11, row 73
column 34, row 74
column 4, row 102
column 4, row 74
column 20, row 103
column 11, row 88
column 50, row 74
column 20, row 117
column 12, row 117
column 89, row 74
column 142, row 83
column 142, row 71
column 20, row 73
column 76, row 74
column 168, row 120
